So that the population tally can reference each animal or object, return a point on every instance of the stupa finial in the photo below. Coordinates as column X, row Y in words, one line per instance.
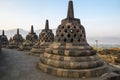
column 18, row 31
column 32, row 29
column 70, row 13
column 3, row 33
column 47, row 24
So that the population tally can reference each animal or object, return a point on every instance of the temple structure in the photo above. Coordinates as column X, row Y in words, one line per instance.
column 70, row 55
column 4, row 39
column 31, row 39
column 46, row 37
column 10, row 40
column 16, row 40
column 32, row 35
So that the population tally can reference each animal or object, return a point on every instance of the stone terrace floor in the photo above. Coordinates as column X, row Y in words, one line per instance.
column 17, row 65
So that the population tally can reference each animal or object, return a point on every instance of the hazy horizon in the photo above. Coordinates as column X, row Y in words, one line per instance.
column 101, row 18
column 109, row 40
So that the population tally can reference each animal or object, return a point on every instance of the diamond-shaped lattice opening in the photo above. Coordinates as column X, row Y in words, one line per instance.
column 74, row 35
column 58, row 39
column 78, row 40
column 68, row 27
column 65, row 30
column 78, row 30
column 68, row 35
column 71, row 40
column 62, row 35
column 65, row 40
column 80, row 35
column 74, row 26
column 59, row 30
column 62, row 26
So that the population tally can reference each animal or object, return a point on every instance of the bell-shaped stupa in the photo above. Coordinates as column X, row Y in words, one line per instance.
column 46, row 37
column 10, row 40
column 32, row 35
column 16, row 40
column 31, row 39
column 4, row 39
column 70, row 55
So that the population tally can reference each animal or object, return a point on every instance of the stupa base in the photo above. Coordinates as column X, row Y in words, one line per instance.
column 73, row 73
column 36, row 52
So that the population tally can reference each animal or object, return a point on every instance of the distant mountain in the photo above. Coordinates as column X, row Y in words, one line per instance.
column 12, row 32
column 101, row 40
column 105, row 40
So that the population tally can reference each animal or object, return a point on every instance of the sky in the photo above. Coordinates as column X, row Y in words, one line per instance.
column 100, row 18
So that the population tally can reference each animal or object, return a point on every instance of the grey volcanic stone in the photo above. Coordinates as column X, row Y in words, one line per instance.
column 31, row 39
column 70, row 55
column 16, row 40
column 46, row 37
column 16, row 65
column 4, row 39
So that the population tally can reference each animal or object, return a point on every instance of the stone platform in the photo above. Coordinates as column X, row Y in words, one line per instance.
column 60, row 61
column 17, row 65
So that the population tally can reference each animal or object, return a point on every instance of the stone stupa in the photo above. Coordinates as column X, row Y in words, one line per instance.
column 4, row 39
column 31, row 39
column 16, row 40
column 70, row 55
column 46, row 37
column 10, row 40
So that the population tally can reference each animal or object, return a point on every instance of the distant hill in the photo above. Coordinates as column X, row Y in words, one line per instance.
column 12, row 32
column 105, row 40
column 112, row 40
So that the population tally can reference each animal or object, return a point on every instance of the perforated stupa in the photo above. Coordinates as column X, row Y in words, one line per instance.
column 46, row 37
column 4, row 39
column 70, row 55
column 31, row 39
column 16, row 40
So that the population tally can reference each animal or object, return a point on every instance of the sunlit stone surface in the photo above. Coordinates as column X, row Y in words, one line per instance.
column 70, row 55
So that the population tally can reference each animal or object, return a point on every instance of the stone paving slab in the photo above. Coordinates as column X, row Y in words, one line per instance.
column 17, row 65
